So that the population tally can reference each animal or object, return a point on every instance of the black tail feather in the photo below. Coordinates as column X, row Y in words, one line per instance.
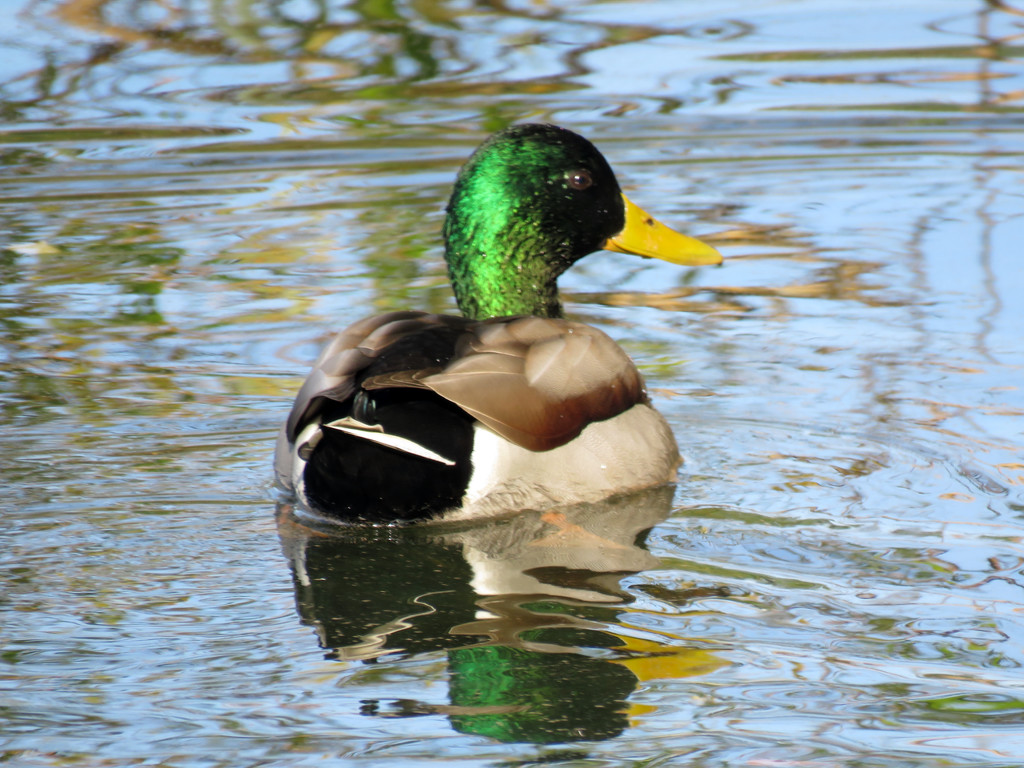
column 351, row 478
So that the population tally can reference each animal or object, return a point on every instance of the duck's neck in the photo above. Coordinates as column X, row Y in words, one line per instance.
column 498, row 263
column 497, row 278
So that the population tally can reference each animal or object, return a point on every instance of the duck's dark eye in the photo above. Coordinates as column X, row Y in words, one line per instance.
column 579, row 179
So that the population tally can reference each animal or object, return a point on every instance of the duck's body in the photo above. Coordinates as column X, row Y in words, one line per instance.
column 510, row 413
column 411, row 416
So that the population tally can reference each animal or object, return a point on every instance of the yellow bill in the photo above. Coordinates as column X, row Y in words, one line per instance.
column 644, row 235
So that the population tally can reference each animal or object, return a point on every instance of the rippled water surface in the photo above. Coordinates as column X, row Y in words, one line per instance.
column 195, row 195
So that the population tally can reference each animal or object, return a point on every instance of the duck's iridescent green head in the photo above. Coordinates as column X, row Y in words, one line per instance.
column 531, row 201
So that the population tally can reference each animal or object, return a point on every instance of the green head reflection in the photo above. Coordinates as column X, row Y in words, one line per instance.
column 517, row 694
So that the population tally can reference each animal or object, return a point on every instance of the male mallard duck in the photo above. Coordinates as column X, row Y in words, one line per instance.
column 409, row 416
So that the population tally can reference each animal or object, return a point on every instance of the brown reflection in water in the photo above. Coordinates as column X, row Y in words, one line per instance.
column 418, row 47
column 381, row 51
column 989, row 49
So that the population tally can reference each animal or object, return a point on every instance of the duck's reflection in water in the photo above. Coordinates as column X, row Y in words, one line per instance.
column 525, row 607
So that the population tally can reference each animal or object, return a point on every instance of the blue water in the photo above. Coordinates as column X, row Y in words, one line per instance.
column 194, row 197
